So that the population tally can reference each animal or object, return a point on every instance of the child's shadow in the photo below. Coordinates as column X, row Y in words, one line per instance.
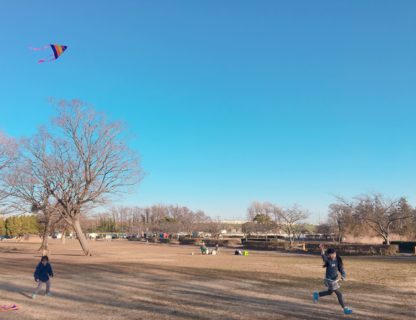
column 26, row 295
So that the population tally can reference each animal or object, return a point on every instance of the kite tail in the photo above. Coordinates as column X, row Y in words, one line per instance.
column 38, row 49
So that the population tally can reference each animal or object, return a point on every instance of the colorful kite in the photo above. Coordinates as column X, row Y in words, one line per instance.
column 9, row 307
column 57, row 51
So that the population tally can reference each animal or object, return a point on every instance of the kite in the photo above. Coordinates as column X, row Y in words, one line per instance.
column 57, row 51
column 9, row 307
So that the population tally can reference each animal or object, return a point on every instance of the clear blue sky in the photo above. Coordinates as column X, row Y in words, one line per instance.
column 230, row 101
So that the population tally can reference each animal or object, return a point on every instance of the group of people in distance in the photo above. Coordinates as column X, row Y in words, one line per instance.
column 332, row 263
column 205, row 250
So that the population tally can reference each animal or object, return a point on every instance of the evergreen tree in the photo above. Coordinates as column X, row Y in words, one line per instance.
column 2, row 227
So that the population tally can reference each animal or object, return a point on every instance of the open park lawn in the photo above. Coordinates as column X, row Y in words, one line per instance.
column 132, row 280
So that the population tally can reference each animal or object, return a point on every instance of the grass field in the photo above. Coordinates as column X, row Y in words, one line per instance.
column 131, row 280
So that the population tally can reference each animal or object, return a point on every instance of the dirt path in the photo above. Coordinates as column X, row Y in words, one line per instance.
column 130, row 280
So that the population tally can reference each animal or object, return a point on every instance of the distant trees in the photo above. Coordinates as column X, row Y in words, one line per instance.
column 259, row 209
column 341, row 219
column 269, row 217
column 18, row 226
column 369, row 215
column 383, row 216
column 375, row 212
column 2, row 227
column 156, row 218
column 262, row 218
column 290, row 220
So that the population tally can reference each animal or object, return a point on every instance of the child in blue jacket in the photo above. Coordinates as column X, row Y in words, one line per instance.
column 334, row 265
column 42, row 273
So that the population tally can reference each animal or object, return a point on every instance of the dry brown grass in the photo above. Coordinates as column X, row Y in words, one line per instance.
column 130, row 280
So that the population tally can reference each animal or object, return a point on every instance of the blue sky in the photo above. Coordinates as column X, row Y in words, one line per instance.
column 230, row 101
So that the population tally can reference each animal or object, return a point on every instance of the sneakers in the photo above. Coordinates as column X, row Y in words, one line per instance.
column 315, row 297
column 347, row 310
column 46, row 294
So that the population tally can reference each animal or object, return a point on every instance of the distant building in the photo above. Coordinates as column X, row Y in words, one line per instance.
column 233, row 221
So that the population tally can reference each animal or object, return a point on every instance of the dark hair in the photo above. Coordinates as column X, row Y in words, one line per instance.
column 44, row 258
column 338, row 258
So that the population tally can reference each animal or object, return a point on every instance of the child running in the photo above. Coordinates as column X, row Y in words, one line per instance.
column 333, row 264
column 42, row 273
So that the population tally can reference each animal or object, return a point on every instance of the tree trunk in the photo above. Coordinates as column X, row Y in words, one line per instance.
column 81, row 238
column 45, row 240
column 291, row 240
column 45, row 246
column 339, row 233
column 63, row 237
column 387, row 239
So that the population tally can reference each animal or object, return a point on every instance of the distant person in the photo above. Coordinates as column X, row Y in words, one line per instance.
column 203, row 247
column 217, row 248
column 42, row 274
column 333, row 264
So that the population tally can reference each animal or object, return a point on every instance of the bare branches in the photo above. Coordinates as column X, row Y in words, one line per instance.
column 287, row 220
column 290, row 219
column 79, row 162
column 265, row 209
column 8, row 151
column 378, row 213
column 156, row 218
column 88, row 161
column 94, row 160
column 8, row 154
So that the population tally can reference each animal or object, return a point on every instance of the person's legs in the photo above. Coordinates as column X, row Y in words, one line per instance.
column 316, row 295
column 38, row 288
column 48, row 286
column 325, row 293
column 340, row 298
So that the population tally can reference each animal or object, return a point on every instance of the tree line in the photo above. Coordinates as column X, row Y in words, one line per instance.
column 80, row 160
column 364, row 215
column 156, row 218
column 266, row 216
column 18, row 226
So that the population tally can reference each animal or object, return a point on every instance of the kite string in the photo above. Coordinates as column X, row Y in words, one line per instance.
column 52, row 58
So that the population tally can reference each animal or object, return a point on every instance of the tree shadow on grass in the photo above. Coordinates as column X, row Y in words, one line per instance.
column 143, row 290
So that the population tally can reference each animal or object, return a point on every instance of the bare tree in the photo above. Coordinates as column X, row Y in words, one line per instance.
column 257, row 208
column 289, row 220
column 161, row 218
column 381, row 214
column 28, row 187
column 341, row 217
column 8, row 154
column 89, row 162
column 8, row 151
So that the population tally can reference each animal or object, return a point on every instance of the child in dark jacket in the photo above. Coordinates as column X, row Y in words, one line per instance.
column 42, row 273
column 333, row 264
